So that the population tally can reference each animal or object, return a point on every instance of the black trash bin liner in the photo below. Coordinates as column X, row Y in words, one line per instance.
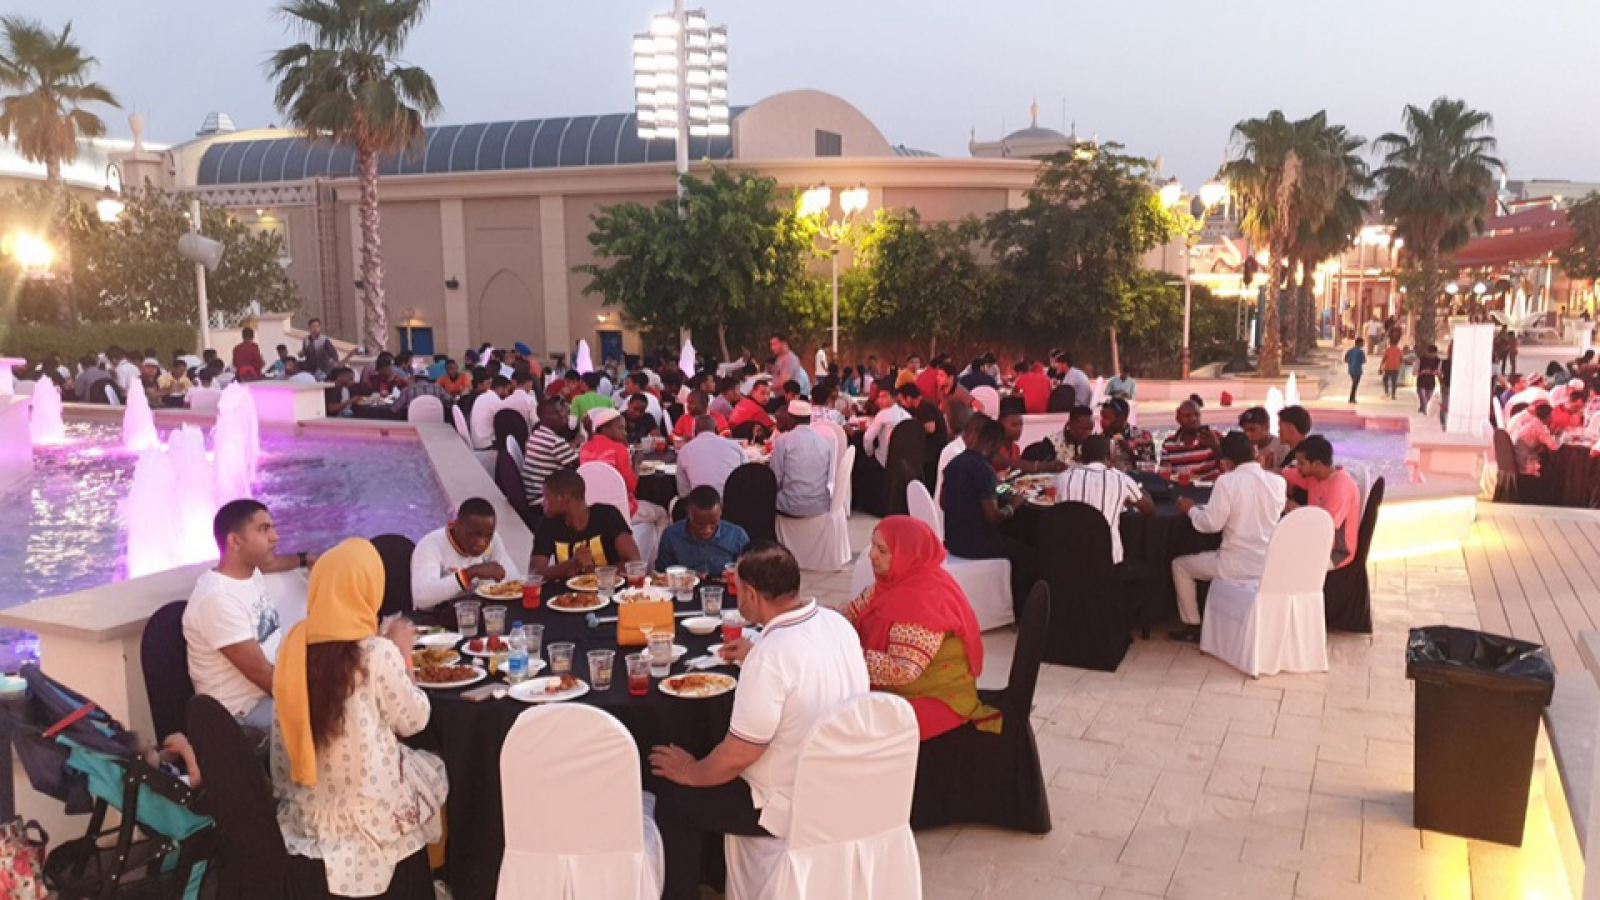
column 1478, row 702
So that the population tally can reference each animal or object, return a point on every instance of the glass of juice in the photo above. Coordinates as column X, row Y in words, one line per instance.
column 635, row 572
column 732, row 626
column 532, row 591
column 638, row 673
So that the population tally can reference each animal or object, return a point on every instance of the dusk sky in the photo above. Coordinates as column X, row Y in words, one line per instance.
column 1163, row 77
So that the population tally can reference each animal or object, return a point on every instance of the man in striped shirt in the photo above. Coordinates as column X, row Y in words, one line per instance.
column 546, row 452
column 1103, row 488
column 1191, row 451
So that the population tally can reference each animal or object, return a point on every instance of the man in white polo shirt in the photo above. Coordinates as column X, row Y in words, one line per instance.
column 807, row 661
column 447, row 562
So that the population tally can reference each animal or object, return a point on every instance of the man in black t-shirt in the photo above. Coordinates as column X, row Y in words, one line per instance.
column 575, row 537
column 973, row 512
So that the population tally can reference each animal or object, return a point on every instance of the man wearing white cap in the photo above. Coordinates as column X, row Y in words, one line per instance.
column 608, row 444
column 802, row 460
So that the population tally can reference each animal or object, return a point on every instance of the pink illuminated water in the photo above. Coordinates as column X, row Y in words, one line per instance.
column 138, row 424
column 45, row 421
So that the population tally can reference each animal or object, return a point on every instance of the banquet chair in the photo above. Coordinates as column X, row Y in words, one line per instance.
column 985, row 582
column 510, row 423
column 908, row 450
column 460, row 420
column 514, row 449
column 425, row 409
column 841, row 443
column 821, row 543
column 747, row 431
column 1347, row 592
column 508, row 478
column 849, row 828
column 951, row 450
column 164, row 657
column 252, row 862
column 578, row 760
column 1091, row 619
column 1275, row 624
column 1063, row 399
column 971, row 776
column 395, row 550
column 988, row 400
column 750, row 501
column 1512, row 486
column 602, row 483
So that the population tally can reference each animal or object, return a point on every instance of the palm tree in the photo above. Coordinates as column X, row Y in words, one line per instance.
column 346, row 83
column 46, row 79
column 1437, row 180
column 1341, row 179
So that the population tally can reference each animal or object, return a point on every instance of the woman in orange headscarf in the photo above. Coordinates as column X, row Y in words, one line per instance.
column 349, row 793
column 918, row 631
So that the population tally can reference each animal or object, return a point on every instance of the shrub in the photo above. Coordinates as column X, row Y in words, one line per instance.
column 36, row 341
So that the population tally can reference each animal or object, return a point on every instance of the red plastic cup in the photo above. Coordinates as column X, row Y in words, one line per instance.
column 731, row 631
column 532, row 591
column 1183, row 478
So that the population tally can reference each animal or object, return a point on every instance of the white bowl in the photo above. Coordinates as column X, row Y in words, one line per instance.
column 702, row 625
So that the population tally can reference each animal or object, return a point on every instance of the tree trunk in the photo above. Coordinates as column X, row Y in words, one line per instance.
column 1291, row 313
column 1426, row 302
column 1116, row 354
column 374, row 302
column 1270, row 362
column 722, row 340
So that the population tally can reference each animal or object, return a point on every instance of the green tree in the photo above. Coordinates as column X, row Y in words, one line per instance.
column 46, row 79
column 1070, row 255
column 918, row 282
column 1342, row 184
column 733, row 264
column 1581, row 258
column 347, row 83
column 1152, row 340
column 1437, row 180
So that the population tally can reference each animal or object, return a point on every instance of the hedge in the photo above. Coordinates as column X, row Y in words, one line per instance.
column 69, row 343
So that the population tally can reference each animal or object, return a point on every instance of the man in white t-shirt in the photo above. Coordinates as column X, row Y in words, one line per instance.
column 1106, row 489
column 230, row 624
column 447, row 562
column 807, row 661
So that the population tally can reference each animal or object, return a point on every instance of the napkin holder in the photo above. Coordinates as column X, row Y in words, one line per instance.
column 656, row 613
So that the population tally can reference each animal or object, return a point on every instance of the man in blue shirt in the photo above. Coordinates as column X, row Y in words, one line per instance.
column 702, row 542
column 973, row 511
column 1355, row 359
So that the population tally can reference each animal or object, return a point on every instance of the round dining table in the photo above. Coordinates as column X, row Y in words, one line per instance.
column 468, row 734
column 1574, row 471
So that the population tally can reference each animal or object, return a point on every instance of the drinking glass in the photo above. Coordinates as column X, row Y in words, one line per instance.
column 534, row 635
column 635, row 572
column 660, row 650
column 681, row 581
column 730, row 579
column 494, row 621
column 601, row 662
column 467, row 617
column 732, row 626
column 638, row 673
column 561, row 658
column 532, row 591
column 606, row 578
column 711, row 601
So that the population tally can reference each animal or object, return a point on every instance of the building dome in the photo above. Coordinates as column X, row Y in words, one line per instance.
column 1035, row 133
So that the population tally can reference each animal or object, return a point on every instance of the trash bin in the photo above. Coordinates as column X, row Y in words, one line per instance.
column 1479, row 698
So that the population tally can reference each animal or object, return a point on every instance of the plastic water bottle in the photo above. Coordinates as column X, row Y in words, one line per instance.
column 517, row 663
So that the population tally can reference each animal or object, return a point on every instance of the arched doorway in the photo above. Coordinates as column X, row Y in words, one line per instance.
column 507, row 312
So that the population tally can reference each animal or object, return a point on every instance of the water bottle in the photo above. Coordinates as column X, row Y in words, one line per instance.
column 517, row 662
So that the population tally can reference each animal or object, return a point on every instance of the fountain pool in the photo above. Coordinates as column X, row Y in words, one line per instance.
column 1382, row 452
column 70, row 533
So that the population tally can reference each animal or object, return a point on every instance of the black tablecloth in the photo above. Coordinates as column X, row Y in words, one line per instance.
column 468, row 736
column 382, row 411
column 1575, row 478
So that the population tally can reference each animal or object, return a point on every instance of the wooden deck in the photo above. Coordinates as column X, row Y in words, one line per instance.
column 1534, row 576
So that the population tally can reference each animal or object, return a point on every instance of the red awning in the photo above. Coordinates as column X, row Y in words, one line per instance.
column 1524, row 236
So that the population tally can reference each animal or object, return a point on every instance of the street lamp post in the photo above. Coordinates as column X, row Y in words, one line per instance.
column 1211, row 194
column 680, row 82
column 816, row 202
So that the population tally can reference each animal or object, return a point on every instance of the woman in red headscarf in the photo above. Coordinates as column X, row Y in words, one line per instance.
column 917, row 628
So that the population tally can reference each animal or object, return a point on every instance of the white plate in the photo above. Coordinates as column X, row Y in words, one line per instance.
column 728, row 684
column 448, row 685
column 598, row 603
column 482, row 654
column 652, row 595
column 443, row 639
column 658, row 580
column 678, row 651
column 480, row 591
column 532, row 691
column 573, row 584
column 702, row 625
column 535, row 666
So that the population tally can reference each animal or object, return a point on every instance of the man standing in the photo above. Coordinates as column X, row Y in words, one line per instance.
column 786, row 365
column 802, row 461
column 807, row 662
column 1245, row 506
column 973, row 512
column 1333, row 490
column 248, row 363
column 708, row 459
column 1106, row 489
column 1355, row 361
column 1392, row 361
column 546, row 452
column 230, row 624
column 702, row 542
column 447, row 562
column 318, row 351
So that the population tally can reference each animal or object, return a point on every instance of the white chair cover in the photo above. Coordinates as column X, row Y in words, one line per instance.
column 985, row 582
column 425, row 409
column 841, row 443
column 1036, row 428
column 988, row 400
column 1363, row 478
column 604, row 484
column 24, row 388
column 951, row 450
column 850, row 834
column 822, row 543
column 461, row 424
column 1277, row 624
column 919, row 503
column 580, row 762
column 515, row 449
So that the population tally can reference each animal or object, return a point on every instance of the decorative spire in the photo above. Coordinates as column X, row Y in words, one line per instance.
column 1034, row 110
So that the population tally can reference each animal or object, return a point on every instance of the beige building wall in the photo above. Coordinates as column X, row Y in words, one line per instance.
column 785, row 126
column 301, row 224
column 504, row 277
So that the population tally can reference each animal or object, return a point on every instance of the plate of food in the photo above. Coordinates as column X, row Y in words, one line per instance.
column 550, row 689
column 585, row 582
column 577, row 603
column 659, row 580
column 499, row 590
column 641, row 595
column 441, row 678
column 482, row 647
column 437, row 637
column 698, row 685
column 431, row 657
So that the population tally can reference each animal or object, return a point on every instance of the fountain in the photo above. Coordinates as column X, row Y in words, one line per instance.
column 138, row 424
column 235, row 444
column 45, row 425
column 16, row 444
column 686, row 358
column 170, row 505
column 584, row 363
column 1291, row 392
column 1274, row 405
